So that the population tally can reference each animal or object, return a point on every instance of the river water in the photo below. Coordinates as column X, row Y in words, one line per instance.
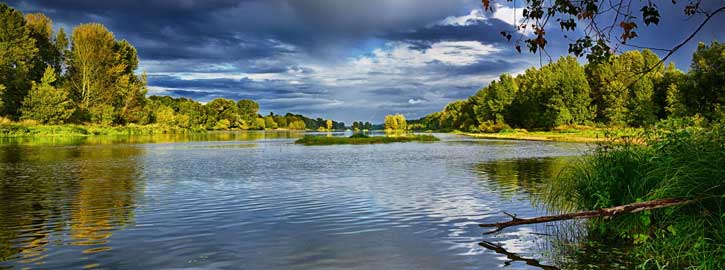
column 256, row 200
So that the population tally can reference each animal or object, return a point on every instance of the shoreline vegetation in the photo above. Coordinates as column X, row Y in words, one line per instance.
column 579, row 134
column 364, row 139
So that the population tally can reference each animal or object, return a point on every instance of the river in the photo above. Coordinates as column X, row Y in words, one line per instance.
column 256, row 200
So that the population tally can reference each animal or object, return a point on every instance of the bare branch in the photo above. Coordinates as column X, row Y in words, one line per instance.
column 603, row 212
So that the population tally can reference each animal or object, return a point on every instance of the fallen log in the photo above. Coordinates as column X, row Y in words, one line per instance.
column 602, row 212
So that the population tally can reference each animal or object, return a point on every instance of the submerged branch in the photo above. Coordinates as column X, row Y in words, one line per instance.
column 602, row 212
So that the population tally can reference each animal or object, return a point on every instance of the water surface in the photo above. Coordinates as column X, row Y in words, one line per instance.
column 257, row 201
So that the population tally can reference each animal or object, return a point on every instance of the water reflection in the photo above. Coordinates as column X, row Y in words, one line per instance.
column 74, row 195
column 564, row 244
column 529, row 175
column 259, row 201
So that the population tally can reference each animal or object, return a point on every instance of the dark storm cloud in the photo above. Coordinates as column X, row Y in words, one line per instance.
column 479, row 31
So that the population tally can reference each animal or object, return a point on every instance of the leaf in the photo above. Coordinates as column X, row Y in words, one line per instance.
column 650, row 14
column 640, row 238
column 486, row 5
column 672, row 230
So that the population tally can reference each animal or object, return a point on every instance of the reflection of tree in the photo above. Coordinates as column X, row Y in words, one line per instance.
column 106, row 193
column 46, row 190
column 529, row 175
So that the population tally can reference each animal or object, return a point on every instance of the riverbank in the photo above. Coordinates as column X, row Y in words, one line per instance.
column 584, row 135
column 14, row 130
column 30, row 129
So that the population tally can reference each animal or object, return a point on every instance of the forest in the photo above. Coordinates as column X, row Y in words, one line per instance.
column 633, row 89
column 89, row 77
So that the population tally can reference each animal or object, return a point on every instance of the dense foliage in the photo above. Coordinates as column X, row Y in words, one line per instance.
column 395, row 122
column 632, row 89
column 90, row 79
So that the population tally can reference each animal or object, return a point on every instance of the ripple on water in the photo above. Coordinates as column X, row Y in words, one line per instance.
column 267, row 204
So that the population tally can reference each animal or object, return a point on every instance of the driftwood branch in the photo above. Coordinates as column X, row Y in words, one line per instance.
column 603, row 212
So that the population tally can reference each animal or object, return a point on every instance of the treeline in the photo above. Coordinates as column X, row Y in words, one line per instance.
column 50, row 78
column 359, row 126
column 631, row 89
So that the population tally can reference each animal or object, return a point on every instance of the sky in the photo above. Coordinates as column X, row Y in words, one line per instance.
column 339, row 59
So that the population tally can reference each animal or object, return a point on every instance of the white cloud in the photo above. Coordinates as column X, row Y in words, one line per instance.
column 508, row 14
column 399, row 55
column 505, row 13
column 414, row 101
column 472, row 18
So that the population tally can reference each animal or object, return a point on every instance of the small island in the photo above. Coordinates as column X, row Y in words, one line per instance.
column 364, row 139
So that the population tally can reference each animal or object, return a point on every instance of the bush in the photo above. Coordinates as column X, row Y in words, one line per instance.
column 685, row 162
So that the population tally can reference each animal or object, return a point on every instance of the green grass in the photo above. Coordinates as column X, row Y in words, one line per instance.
column 12, row 130
column 562, row 134
column 666, row 162
column 363, row 139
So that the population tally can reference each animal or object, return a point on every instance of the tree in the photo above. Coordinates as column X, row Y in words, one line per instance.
column 269, row 122
column 92, row 71
column 666, row 91
column 224, row 109
column 17, row 51
column 297, row 125
column 328, row 124
column 705, row 89
column 401, row 122
column 41, row 30
column 622, row 96
column 47, row 104
column 61, row 45
column 395, row 122
column 492, row 102
column 129, row 90
column 248, row 110
column 557, row 94
column 390, row 123
column 605, row 26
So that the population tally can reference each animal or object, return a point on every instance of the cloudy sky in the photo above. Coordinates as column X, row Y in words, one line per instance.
column 346, row 60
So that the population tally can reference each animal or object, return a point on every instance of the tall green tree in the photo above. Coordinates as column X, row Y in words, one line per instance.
column 223, row 109
column 705, row 89
column 557, row 94
column 248, row 110
column 623, row 88
column 492, row 102
column 46, row 103
column 17, row 51
column 667, row 99
column 41, row 30
column 129, row 89
column 92, row 72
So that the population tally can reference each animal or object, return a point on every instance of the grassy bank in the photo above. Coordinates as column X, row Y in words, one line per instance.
column 561, row 134
column 363, row 139
column 686, row 163
column 13, row 129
